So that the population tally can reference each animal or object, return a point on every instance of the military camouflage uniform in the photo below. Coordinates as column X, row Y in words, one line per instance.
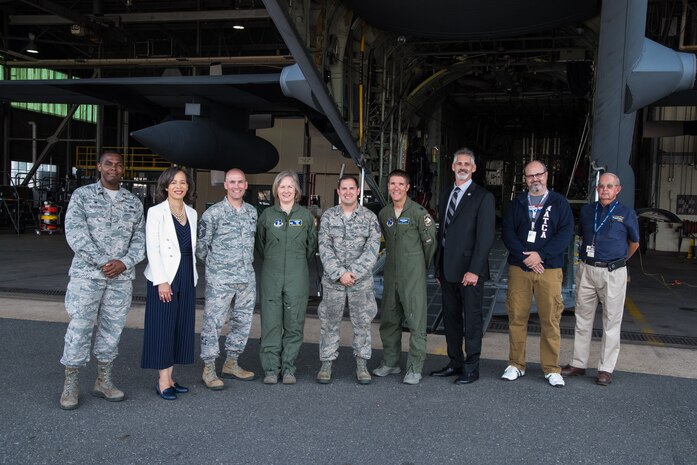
column 226, row 246
column 410, row 243
column 347, row 244
column 99, row 229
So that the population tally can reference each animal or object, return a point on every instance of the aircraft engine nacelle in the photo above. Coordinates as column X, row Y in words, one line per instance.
column 202, row 144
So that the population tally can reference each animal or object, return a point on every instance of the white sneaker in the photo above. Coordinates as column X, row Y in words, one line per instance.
column 512, row 373
column 555, row 380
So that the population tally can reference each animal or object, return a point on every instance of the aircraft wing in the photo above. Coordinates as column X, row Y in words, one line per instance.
column 250, row 92
column 220, row 137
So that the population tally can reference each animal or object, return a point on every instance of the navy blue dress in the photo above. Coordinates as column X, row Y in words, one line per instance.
column 169, row 326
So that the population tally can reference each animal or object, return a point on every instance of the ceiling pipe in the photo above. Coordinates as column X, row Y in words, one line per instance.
column 135, row 18
column 271, row 60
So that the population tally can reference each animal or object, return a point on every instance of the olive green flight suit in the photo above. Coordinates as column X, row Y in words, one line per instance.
column 285, row 243
column 410, row 243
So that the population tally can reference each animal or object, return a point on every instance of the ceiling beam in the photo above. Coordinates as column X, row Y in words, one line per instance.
column 180, row 62
column 136, row 18
column 76, row 18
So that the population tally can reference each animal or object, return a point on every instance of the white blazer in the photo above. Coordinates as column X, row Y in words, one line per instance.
column 162, row 246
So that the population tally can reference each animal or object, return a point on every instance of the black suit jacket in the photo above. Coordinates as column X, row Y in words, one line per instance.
column 470, row 235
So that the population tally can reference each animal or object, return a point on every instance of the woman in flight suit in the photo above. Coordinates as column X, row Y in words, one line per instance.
column 286, row 239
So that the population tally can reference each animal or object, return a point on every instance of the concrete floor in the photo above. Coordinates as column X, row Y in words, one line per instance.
column 661, row 291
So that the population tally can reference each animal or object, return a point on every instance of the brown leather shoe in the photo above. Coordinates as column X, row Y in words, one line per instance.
column 569, row 370
column 604, row 378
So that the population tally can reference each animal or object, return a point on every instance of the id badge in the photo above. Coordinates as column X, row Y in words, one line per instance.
column 531, row 236
column 590, row 251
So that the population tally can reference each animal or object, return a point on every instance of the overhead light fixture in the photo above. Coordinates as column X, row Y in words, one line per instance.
column 239, row 27
column 31, row 47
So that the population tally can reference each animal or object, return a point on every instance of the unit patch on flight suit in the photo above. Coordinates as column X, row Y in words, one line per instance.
column 278, row 223
column 390, row 222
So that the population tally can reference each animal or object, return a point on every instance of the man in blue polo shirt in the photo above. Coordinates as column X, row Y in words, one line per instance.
column 610, row 233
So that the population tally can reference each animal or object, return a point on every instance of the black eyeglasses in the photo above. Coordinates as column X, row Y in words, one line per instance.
column 530, row 177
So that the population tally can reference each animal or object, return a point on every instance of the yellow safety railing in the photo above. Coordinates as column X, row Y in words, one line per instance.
column 135, row 159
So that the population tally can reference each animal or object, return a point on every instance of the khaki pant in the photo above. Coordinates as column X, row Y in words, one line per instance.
column 546, row 287
column 595, row 284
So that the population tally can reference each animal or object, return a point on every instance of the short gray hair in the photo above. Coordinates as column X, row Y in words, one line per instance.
column 617, row 178
column 464, row 151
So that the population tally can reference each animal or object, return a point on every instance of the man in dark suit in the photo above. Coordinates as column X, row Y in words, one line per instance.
column 465, row 237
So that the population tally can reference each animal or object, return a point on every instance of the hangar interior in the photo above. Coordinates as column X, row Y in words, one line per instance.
column 409, row 83
column 410, row 87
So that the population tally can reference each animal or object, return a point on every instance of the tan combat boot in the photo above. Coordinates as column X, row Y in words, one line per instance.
column 71, row 387
column 325, row 373
column 362, row 375
column 232, row 370
column 210, row 378
column 103, row 386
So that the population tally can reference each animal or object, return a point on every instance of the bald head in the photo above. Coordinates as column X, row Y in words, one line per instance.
column 237, row 171
column 235, row 185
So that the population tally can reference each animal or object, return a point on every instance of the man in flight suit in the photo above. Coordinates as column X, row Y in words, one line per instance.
column 410, row 243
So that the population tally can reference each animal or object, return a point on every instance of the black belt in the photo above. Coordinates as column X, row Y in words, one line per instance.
column 613, row 265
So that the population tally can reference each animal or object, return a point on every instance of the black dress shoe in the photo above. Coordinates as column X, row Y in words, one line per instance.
column 467, row 378
column 167, row 394
column 179, row 389
column 447, row 371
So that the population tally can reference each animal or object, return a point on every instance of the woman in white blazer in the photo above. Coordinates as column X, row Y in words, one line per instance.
column 170, row 234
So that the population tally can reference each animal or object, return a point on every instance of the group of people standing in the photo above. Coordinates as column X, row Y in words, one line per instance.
column 538, row 227
column 106, row 228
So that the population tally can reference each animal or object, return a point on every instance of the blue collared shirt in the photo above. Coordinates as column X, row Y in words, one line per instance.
column 611, row 240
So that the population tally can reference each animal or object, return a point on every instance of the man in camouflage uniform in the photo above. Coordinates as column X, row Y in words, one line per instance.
column 410, row 243
column 104, row 226
column 226, row 246
column 349, row 240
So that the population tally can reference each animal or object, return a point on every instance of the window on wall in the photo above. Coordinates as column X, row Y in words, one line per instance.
column 46, row 176
column 86, row 113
